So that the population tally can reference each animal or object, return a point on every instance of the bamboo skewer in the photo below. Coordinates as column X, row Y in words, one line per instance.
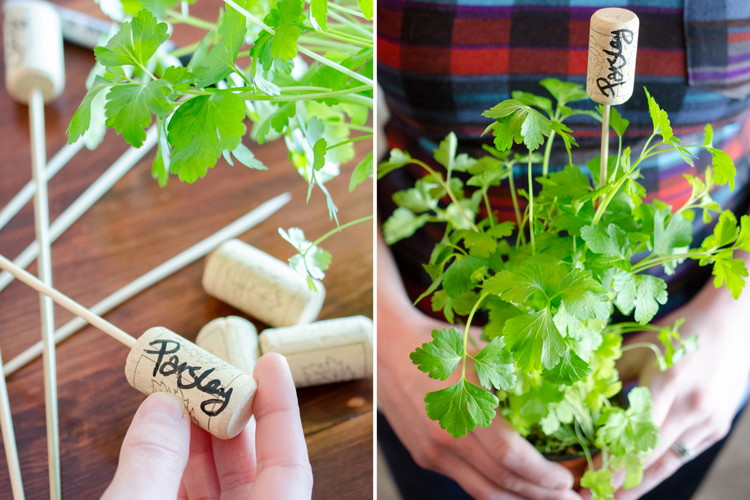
column 25, row 195
column 46, row 307
column 188, row 256
column 9, row 440
column 87, row 199
column 68, row 303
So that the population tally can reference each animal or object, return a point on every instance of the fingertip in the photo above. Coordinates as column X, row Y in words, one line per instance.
column 160, row 408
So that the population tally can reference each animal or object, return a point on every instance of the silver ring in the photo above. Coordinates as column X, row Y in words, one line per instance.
column 683, row 451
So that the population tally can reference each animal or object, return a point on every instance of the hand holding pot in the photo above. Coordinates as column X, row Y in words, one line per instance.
column 492, row 462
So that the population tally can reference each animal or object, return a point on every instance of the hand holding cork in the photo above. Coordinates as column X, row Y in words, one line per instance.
column 189, row 461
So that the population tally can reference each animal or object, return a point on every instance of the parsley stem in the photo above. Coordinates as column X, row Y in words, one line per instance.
column 469, row 319
column 345, row 10
column 547, row 153
column 178, row 18
column 348, row 141
column 303, row 50
column 514, row 198
column 354, row 26
column 340, row 228
column 531, row 205
column 343, row 37
column 488, row 207
column 451, row 195
column 649, row 262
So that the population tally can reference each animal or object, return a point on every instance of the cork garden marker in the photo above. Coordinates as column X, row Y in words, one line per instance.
column 217, row 396
column 613, row 42
column 35, row 74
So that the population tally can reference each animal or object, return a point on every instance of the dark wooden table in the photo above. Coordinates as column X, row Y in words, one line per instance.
column 133, row 228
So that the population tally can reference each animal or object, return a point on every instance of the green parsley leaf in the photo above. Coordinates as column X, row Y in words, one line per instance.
column 402, row 224
column 529, row 99
column 445, row 154
column 366, row 6
column 569, row 370
column 724, row 169
column 743, row 240
column 564, row 92
column 534, row 340
column 611, row 242
column 641, row 292
column 310, row 261
column 396, row 160
column 584, row 297
column 630, row 431
column 319, row 12
column 201, row 128
column 567, row 184
column 600, row 483
column 515, row 120
column 461, row 407
column 135, row 43
column 463, row 274
column 81, row 120
column 617, row 122
column 214, row 59
column 494, row 365
column 678, row 232
column 729, row 272
column 288, row 27
column 440, row 357
column 659, row 118
column 361, row 172
column 129, row 108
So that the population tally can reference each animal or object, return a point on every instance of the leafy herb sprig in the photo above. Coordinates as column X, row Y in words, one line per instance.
column 200, row 110
column 550, row 282
column 264, row 70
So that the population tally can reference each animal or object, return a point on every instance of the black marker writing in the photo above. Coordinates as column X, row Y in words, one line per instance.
column 617, row 62
column 173, row 366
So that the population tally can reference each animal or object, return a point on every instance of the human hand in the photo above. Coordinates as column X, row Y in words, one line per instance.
column 164, row 456
column 695, row 401
column 494, row 462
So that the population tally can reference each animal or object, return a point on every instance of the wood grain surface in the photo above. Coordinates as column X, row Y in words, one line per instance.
column 133, row 228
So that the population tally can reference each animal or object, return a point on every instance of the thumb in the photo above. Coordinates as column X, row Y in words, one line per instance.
column 154, row 452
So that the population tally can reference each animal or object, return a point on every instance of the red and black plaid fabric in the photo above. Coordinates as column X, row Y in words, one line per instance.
column 441, row 63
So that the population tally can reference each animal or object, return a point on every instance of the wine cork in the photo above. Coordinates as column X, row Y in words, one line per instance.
column 260, row 285
column 33, row 50
column 233, row 339
column 613, row 42
column 325, row 351
column 218, row 396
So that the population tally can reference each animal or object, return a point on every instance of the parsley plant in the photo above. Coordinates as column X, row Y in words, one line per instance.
column 550, row 282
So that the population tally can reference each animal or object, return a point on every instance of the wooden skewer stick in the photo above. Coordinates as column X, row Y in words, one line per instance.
column 67, row 303
column 35, row 74
column 179, row 261
column 25, row 195
column 9, row 441
column 44, row 264
column 613, row 43
column 217, row 395
column 114, row 173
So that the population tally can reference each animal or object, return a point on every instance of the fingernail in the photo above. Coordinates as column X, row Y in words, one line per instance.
column 162, row 408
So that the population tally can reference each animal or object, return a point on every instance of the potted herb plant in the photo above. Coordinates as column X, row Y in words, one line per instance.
column 561, row 285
